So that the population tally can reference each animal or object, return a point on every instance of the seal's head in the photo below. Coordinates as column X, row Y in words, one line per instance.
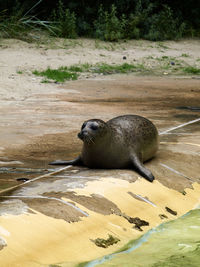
column 93, row 130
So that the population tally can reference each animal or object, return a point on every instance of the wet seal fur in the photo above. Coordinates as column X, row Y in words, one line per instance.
column 122, row 142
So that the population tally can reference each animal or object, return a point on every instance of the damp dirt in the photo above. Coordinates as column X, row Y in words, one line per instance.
column 52, row 132
column 96, row 203
column 55, row 209
column 54, row 136
column 39, row 123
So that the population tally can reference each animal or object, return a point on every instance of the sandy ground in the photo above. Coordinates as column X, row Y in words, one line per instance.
column 39, row 123
column 20, row 90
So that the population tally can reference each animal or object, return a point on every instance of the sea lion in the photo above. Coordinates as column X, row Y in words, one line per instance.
column 122, row 142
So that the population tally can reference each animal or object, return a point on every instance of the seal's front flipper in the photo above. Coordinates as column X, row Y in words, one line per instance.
column 146, row 173
column 76, row 161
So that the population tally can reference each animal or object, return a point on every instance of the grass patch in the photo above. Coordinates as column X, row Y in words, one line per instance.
column 162, row 45
column 185, row 55
column 19, row 72
column 21, row 24
column 111, row 69
column 58, row 75
column 191, row 70
column 164, row 63
column 79, row 68
column 63, row 74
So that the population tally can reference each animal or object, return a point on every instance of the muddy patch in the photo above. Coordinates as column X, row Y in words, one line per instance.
column 100, row 204
column 35, row 157
column 96, row 203
column 55, row 208
column 43, row 149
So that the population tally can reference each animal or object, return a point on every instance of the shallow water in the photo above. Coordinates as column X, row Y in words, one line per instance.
column 175, row 243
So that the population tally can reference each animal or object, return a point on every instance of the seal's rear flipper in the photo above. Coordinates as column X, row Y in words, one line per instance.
column 146, row 173
column 76, row 161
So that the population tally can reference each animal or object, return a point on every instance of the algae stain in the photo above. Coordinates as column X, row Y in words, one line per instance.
column 104, row 243
column 173, row 212
column 189, row 259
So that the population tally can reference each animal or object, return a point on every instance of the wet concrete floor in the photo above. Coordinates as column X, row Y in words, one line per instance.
column 61, row 203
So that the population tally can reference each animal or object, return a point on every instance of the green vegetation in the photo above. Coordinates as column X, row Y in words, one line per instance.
column 64, row 22
column 173, row 244
column 108, row 26
column 63, row 74
column 111, row 69
column 82, row 264
column 111, row 20
column 164, row 26
column 18, row 23
column 184, row 55
column 58, row 75
column 19, row 72
column 155, row 66
column 191, row 70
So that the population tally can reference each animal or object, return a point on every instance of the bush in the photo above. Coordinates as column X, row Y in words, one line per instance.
column 132, row 30
column 113, row 26
column 164, row 26
column 64, row 22
column 108, row 26
column 18, row 22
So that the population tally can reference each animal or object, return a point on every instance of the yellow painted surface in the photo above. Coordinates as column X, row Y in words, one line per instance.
column 38, row 240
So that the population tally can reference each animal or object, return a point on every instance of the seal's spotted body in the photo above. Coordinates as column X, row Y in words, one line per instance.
column 121, row 142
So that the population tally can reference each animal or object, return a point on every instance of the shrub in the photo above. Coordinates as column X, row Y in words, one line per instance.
column 64, row 22
column 113, row 26
column 132, row 30
column 164, row 26
column 108, row 26
column 99, row 24
column 18, row 22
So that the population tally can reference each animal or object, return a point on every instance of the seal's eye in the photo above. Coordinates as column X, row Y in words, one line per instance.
column 94, row 127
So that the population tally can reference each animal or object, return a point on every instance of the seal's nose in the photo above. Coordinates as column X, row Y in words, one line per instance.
column 82, row 134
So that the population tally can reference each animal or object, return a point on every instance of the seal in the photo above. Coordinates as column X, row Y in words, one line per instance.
column 122, row 142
